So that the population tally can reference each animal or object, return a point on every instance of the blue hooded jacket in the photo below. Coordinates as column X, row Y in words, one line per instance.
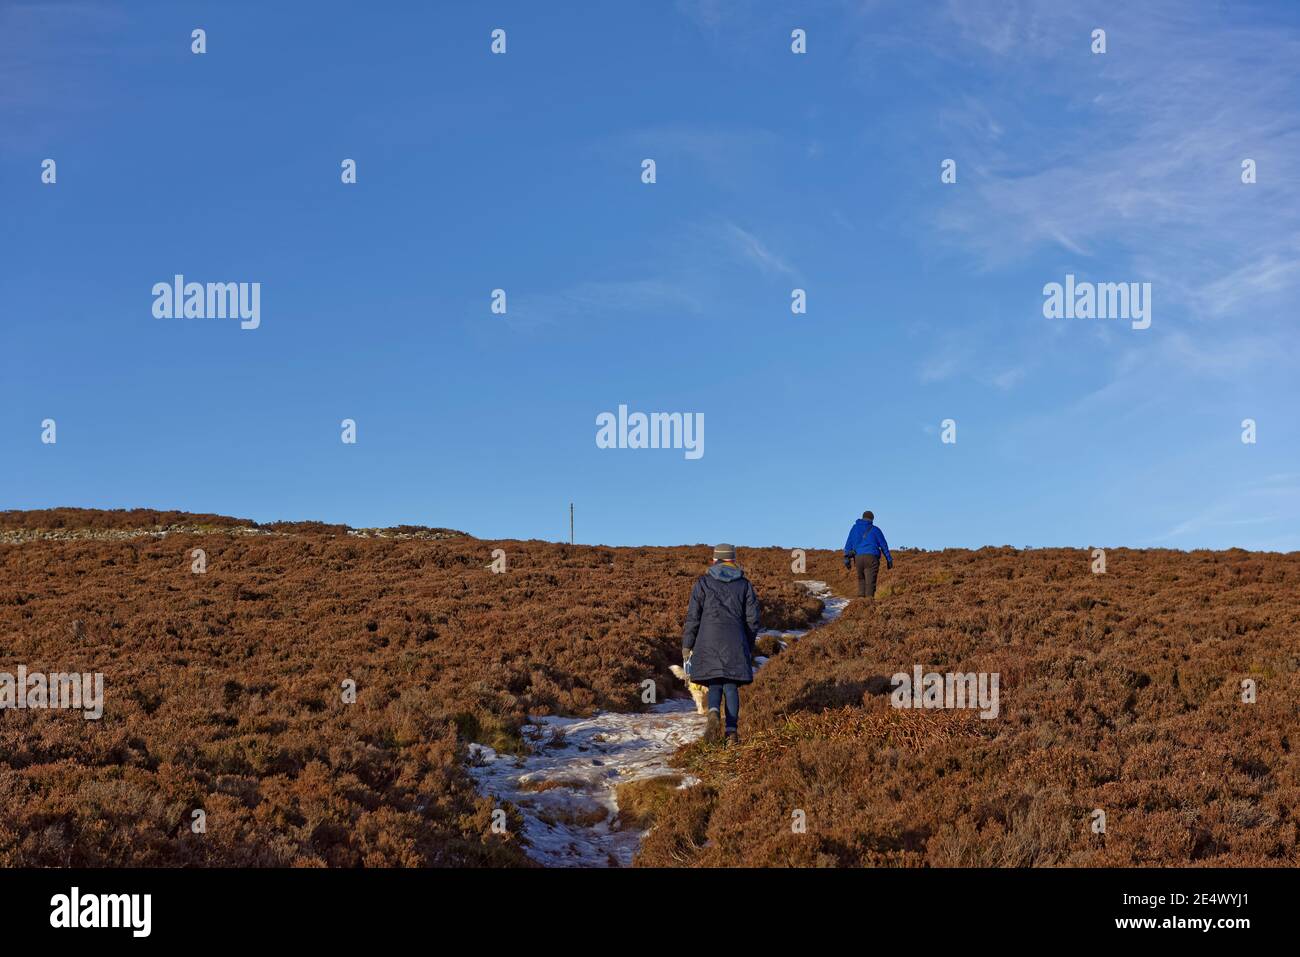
column 866, row 539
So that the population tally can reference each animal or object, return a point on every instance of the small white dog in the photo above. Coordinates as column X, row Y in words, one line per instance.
column 699, row 692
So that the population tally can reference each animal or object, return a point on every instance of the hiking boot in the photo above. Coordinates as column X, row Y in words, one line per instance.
column 713, row 726
column 733, row 739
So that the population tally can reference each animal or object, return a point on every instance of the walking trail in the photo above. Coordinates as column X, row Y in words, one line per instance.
column 565, row 788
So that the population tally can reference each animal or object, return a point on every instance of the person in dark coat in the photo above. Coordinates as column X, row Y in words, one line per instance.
column 865, row 544
column 722, row 622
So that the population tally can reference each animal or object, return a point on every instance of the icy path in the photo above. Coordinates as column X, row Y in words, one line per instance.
column 565, row 788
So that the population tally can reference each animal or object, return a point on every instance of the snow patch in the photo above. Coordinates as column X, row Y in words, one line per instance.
column 565, row 788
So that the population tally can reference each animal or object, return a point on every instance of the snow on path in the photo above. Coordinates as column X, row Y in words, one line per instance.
column 565, row 788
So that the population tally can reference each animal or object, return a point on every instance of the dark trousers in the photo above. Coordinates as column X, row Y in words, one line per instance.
column 732, row 691
column 868, row 567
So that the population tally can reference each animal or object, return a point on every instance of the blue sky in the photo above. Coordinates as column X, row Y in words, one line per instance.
column 775, row 171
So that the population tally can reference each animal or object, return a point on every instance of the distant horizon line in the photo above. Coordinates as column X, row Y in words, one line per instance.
column 238, row 521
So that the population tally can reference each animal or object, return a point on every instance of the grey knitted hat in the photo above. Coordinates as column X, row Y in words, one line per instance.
column 724, row 553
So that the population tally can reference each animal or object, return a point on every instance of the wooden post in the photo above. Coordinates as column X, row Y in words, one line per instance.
column 570, row 523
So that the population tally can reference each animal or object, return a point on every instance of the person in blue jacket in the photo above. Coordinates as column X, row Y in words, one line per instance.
column 865, row 545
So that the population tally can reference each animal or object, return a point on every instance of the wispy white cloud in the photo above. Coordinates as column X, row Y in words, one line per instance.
column 711, row 14
column 598, row 301
column 1264, row 502
column 1008, row 379
column 685, row 283
column 749, row 248
column 1260, row 280
column 938, row 368
column 1149, row 161
column 723, row 153
column 964, row 357
column 1138, row 169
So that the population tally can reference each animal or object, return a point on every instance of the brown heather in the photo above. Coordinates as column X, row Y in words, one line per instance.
column 223, row 690
column 1119, row 692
